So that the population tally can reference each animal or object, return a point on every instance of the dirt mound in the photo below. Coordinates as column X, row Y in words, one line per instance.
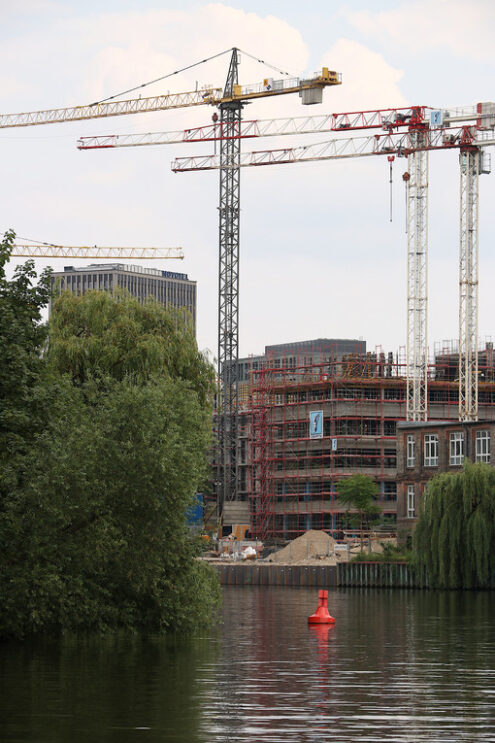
column 309, row 547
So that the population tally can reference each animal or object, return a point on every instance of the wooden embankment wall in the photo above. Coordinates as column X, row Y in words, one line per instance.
column 351, row 574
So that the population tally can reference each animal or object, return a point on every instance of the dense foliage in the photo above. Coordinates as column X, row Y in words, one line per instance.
column 22, row 337
column 390, row 553
column 454, row 539
column 104, row 435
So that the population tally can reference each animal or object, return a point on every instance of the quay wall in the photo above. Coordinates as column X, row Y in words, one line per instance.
column 351, row 574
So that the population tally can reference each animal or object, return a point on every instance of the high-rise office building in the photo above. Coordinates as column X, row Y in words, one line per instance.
column 171, row 289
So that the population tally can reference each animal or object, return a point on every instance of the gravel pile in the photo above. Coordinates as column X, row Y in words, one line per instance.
column 313, row 546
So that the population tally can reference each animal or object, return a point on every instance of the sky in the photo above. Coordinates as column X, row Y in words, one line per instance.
column 319, row 255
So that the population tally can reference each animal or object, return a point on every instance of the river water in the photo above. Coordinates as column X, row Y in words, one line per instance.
column 397, row 666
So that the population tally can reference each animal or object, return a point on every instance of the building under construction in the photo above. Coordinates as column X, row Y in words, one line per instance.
column 316, row 412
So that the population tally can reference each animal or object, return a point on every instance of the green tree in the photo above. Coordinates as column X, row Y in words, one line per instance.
column 454, row 538
column 22, row 338
column 357, row 493
column 92, row 524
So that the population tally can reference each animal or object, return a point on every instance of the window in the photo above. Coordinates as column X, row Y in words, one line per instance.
column 482, row 446
column 410, row 450
column 389, row 491
column 456, row 448
column 431, row 450
column 389, row 428
column 411, row 511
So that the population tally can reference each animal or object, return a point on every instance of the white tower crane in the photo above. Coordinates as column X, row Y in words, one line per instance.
column 416, row 144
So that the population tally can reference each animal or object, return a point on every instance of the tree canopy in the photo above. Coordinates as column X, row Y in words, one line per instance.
column 22, row 338
column 112, row 422
column 454, row 538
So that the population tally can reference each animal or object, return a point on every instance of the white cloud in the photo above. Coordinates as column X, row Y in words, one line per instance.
column 318, row 255
column 464, row 29
column 368, row 80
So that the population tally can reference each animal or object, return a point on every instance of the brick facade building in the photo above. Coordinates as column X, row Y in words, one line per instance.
column 425, row 449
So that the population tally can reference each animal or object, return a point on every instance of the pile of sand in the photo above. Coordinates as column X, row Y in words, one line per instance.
column 313, row 546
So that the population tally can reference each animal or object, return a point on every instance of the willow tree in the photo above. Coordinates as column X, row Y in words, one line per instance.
column 454, row 539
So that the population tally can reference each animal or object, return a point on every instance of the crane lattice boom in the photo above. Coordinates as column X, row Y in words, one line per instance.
column 376, row 144
column 211, row 96
column 389, row 120
column 111, row 108
column 65, row 251
column 385, row 119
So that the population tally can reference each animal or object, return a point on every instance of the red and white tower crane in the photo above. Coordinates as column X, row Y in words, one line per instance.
column 427, row 129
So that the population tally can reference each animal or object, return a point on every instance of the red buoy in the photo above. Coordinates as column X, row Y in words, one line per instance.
column 321, row 615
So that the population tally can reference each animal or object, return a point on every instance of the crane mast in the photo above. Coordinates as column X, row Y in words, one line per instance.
column 417, row 281
column 469, row 159
column 228, row 292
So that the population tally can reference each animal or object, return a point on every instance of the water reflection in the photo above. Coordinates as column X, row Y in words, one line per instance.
column 105, row 689
column 397, row 666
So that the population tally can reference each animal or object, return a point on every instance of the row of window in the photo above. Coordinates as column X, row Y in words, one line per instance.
column 342, row 427
column 397, row 394
column 176, row 293
column 288, row 526
column 299, row 491
column 456, row 448
column 344, row 458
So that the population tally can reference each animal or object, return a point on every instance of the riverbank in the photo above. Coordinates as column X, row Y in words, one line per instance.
column 352, row 575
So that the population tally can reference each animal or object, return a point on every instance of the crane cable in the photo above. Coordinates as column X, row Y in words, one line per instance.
column 267, row 64
column 38, row 242
column 158, row 79
column 183, row 69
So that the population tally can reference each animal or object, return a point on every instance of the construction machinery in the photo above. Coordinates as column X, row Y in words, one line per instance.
column 47, row 250
column 230, row 102
column 467, row 130
column 441, row 130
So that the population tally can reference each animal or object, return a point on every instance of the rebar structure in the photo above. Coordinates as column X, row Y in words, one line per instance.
column 417, row 281
column 228, row 291
column 469, row 159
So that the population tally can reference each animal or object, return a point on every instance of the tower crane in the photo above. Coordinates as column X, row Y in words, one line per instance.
column 427, row 129
column 47, row 250
column 230, row 102
column 416, row 144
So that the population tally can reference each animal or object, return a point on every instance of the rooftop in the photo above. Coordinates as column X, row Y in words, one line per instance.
column 127, row 268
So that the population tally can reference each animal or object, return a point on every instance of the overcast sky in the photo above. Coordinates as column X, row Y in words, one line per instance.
column 319, row 257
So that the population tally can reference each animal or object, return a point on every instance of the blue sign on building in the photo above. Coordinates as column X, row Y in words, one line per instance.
column 436, row 119
column 316, row 424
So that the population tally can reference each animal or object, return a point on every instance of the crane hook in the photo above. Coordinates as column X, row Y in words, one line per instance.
column 390, row 159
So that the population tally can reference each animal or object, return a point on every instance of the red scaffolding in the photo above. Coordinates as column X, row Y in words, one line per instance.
column 360, row 398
